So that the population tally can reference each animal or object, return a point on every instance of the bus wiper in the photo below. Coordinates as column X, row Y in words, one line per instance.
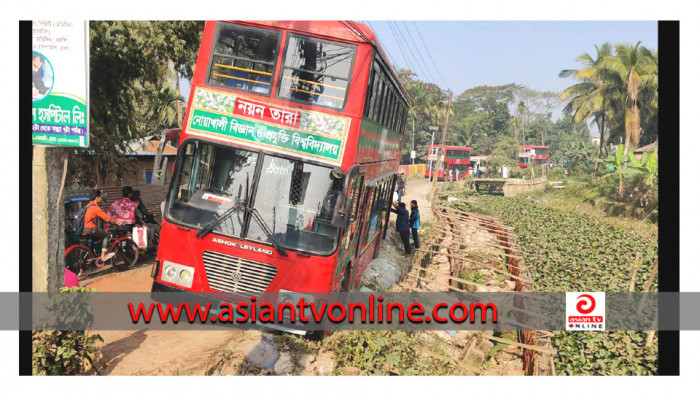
column 210, row 226
column 219, row 219
column 261, row 222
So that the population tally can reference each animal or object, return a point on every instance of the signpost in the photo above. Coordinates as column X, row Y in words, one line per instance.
column 60, row 111
column 60, row 81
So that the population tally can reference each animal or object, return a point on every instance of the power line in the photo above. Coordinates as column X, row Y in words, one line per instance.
column 429, row 54
column 425, row 74
column 409, row 63
column 420, row 55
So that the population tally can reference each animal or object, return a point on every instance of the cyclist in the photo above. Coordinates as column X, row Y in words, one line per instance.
column 93, row 213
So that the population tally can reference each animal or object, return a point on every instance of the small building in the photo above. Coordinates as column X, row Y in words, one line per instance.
column 653, row 147
column 143, row 151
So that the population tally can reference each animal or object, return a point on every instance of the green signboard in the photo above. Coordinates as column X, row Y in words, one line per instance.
column 59, row 83
column 267, row 135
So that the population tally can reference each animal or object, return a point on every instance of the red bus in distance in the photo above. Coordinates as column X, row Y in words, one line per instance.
column 533, row 155
column 456, row 158
column 286, row 161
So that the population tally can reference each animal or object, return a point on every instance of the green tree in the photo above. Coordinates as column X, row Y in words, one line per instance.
column 133, row 65
column 633, row 73
column 590, row 97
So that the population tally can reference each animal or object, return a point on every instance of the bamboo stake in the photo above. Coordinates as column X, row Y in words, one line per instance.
column 650, row 338
column 541, row 349
column 647, row 286
column 481, row 241
column 473, row 215
column 634, row 273
column 478, row 286
column 485, row 265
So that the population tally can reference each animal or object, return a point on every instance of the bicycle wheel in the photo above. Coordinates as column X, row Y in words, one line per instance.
column 126, row 254
column 78, row 256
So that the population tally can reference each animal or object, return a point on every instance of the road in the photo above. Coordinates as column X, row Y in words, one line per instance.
column 159, row 352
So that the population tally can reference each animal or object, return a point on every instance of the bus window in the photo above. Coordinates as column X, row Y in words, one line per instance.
column 243, row 58
column 357, row 184
column 296, row 201
column 316, row 71
column 212, row 180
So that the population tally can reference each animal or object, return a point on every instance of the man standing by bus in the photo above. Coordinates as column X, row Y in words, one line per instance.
column 414, row 221
column 402, row 225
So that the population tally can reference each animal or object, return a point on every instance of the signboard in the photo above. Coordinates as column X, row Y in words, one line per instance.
column 60, row 83
column 413, row 154
column 220, row 114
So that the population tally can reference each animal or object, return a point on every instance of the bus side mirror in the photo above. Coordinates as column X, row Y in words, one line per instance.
column 343, row 205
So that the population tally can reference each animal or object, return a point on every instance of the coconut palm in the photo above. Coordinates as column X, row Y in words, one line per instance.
column 591, row 96
column 632, row 73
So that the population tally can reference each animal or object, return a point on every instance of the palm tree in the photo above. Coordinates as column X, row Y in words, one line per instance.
column 632, row 72
column 590, row 96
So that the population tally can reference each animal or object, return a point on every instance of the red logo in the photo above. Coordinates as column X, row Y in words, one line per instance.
column 586, row 305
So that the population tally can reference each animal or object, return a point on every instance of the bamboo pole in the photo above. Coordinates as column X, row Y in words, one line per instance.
column 634, row 273
column 463, row 232
column 540, row 349
column 647, row 286
column 485, row 265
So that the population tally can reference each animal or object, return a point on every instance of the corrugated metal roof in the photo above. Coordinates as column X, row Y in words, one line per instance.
column 148, row 146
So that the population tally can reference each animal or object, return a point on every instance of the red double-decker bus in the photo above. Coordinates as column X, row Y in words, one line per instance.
column 533, row 155
column 286, row 161
column 455, row 158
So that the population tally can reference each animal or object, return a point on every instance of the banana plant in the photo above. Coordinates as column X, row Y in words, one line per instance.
column 626, row 165
column 647, row 166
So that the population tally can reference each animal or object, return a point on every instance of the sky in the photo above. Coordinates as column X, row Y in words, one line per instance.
column 470, row 54
column 475, row 53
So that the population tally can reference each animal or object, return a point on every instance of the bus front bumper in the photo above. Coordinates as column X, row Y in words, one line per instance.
column 157, row 290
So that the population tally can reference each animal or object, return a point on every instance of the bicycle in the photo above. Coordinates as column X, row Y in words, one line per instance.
column 88, row 252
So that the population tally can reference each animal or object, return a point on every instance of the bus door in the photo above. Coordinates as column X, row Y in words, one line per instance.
column 350, row 240
column 364, row 229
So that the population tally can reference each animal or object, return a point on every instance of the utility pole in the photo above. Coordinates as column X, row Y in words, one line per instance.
column 441, row 150
column 430, row 155
column 413, row 143
column 47, row 218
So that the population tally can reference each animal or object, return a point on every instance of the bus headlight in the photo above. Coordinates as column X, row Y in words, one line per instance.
column 185, row 276
column 178, row 274
column 169, row 272
column 286, row 296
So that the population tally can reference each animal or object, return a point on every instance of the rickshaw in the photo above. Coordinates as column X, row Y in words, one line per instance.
column 82, row 252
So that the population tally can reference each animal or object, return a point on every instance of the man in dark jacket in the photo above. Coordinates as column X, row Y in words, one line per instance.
column 402, row 225
column 414, row 221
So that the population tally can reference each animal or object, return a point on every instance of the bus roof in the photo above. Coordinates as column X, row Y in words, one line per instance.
column 344, row 30
column 453, row 147
column 534, row 146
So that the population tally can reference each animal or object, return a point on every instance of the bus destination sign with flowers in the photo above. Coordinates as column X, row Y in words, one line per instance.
column 307, row 133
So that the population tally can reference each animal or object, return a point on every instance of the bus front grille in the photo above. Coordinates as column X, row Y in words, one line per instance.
column 237, row 275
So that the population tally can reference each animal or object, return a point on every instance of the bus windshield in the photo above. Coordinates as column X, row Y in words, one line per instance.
column 294, row 199
column 210, row 180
